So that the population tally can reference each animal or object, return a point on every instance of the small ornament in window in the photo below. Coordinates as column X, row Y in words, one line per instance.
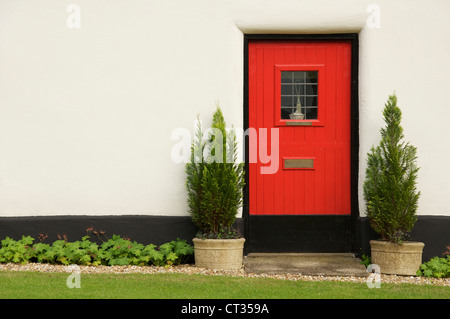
column 297, row 115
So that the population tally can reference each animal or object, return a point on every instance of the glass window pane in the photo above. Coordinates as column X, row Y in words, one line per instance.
column 299, row 89
column 311, row 77
column 285, row 113
column 286, row 89
column 311, row 113
column 286, row 101
column 299, row 77
column 286, row 77
column 299, row 94
column 311, row 89
column 311, row 101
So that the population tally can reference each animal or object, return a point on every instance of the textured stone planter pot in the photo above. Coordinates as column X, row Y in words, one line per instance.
column 225, row 254
column 397, row 259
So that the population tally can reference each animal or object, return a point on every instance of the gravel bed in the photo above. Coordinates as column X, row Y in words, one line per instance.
column 191, row 269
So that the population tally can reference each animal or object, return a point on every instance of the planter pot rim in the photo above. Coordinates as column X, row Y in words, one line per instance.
column 407, row 243
column 232, row 243
column 217, row 239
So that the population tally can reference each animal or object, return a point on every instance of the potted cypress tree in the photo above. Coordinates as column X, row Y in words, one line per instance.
column 214, row 185
column 392, row 198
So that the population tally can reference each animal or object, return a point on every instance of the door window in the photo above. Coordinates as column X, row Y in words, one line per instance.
column 299, row 95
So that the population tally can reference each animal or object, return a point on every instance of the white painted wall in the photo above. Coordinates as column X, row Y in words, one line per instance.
column 86, row 114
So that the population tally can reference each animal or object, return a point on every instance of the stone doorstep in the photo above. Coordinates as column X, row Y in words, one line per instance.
column 313, row 264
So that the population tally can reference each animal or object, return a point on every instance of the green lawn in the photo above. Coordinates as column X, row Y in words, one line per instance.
column 31, row 285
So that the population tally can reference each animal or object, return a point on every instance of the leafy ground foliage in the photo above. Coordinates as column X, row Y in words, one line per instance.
column 437, row 267
column 114, row 251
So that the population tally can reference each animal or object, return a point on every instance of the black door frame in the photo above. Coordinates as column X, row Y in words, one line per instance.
column 306, row 233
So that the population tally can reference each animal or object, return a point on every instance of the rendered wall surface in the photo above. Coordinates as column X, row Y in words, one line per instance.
column 88, row 114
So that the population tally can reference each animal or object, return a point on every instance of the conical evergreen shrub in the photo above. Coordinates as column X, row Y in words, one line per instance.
column 390, row 185
column 215, row 180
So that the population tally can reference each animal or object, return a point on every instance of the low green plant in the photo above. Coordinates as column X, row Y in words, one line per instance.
column 366, row 260
column 81, row 252
column 114, row 251
column 437, row 267
column 16, row 251
column 120, row 251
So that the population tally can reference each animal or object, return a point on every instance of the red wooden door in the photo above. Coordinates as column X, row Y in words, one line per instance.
column 299, row 94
